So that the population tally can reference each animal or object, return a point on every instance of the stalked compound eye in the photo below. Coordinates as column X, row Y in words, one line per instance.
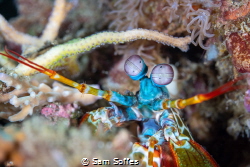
column 162, row 74
column 135, row 67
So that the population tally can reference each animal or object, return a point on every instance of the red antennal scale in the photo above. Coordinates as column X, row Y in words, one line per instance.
column 28, row 63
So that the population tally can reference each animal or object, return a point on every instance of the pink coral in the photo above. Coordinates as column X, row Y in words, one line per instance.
column 56, row 110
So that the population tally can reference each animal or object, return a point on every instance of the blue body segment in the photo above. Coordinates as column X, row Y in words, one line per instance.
column 125, row 100
column 149, row 92
column 157, row 105
column 149, row 127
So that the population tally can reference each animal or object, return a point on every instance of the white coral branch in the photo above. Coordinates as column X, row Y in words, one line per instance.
column 39, row 95
column 10, row 34
column 60, row 10
column 26, row 110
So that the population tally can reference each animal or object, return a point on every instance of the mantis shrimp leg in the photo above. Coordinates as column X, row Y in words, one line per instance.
column 111, row 116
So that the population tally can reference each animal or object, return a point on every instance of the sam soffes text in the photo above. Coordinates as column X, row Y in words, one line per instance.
column 116, row 161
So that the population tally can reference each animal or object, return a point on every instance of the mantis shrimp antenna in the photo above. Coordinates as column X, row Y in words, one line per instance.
column 52, row 74
column 227, row 87
column 28, row 63
column 182, row 103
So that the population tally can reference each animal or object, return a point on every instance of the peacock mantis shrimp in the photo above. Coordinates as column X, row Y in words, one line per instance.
column 164, row 139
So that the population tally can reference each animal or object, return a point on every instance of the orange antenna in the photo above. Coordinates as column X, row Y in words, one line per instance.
column 227, row 87
column 182, row 103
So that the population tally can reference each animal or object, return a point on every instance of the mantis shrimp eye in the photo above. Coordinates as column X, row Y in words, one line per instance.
column 162, row 74
column 135, row 67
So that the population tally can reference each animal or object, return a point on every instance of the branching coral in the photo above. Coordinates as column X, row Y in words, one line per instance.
column 39, row 94
column 61, row 9
column 12, row 35
column 200, row 21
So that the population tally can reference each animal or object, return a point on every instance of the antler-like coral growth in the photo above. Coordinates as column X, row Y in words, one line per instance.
column 60, row 10
column 11, row 34
column 51, row 58
column 29, row 94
